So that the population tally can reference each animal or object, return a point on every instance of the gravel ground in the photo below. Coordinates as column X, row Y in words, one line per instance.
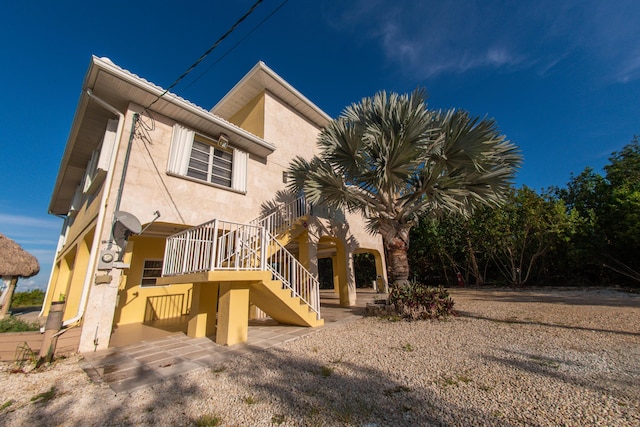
column 511, row 358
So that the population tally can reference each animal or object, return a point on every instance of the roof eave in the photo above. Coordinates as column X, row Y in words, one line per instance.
column 168, row 104
column 291, row 95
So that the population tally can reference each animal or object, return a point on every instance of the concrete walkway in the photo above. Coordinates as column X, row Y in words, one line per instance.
column 147, row 362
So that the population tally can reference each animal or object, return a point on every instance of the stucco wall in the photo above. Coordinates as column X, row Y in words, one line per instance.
column 133, row 298
column 148, row 187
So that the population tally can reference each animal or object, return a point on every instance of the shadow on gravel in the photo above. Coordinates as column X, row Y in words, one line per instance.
column 594, row 297
column 583, row 374
column 550, row 325
column 302, row 392
column 103, row 408
column 342, row 393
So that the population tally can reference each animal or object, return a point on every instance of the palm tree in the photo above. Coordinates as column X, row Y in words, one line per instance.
column 393, row 160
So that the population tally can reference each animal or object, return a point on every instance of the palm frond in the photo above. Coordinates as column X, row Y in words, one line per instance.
column 389, row 156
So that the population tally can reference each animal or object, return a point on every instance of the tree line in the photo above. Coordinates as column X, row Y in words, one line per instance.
column 586, row 233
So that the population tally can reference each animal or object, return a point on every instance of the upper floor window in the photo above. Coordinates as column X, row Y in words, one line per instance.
column 210, row 163
column 201, row 158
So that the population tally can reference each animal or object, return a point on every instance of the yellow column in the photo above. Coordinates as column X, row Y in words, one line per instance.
column 340, row 269
column 202, row 317
column 380, row 273
column 303, row 250
column 233, row 314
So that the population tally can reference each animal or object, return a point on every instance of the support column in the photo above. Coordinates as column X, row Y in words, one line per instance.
column 98, row 318
column 381, row 275
column 233, row 314
column 308, row 253
column 347, row 295
column 202, row 316
column 336, row 276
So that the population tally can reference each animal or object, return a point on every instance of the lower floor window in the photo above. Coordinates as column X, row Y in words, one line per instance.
column 151, row 271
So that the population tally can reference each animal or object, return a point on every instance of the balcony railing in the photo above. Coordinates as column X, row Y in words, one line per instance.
column 223, row 245
column 283, row 217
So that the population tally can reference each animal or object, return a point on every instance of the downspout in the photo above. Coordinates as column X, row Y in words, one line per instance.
column 88, row 279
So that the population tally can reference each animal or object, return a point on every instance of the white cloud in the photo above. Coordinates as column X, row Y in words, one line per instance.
column 430, row 38
column 37, row 235
column 7, row 220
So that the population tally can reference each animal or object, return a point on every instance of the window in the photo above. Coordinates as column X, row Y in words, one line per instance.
column 151, row 271
column 210, row 163
column 201, row 158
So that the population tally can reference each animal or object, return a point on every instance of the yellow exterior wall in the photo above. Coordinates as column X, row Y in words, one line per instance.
column 251, row 116
column 132, row 298
column 67, row 280
column 60, row 279
column 68, row 273
column 73, row 292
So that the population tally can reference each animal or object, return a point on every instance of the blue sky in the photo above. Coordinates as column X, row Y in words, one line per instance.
column 561, row 78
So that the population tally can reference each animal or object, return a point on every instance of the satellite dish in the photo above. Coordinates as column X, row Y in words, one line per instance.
column 125, row 224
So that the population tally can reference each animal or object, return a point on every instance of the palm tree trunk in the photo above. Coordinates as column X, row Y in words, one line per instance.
column 396, row 242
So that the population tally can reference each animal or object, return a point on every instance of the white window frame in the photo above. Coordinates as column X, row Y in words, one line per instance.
column 180, row 155
column 144, row 267
column 218, row 166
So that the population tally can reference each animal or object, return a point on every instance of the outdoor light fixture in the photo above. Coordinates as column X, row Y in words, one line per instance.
column 223, row 140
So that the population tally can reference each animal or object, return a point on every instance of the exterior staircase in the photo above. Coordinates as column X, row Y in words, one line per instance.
column 253, row 254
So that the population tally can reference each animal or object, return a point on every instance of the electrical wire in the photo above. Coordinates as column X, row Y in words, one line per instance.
column 237, row 44
column 204, row 55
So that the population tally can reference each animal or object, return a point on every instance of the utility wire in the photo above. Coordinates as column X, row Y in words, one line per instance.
column 204, row 55
column 237, row 43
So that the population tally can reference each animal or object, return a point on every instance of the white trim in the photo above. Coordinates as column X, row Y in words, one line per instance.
column 142, row 276
column 180, row 151
column 239, row 171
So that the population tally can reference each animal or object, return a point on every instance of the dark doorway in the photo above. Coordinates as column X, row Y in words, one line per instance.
column 364, row 266
column 325, row 273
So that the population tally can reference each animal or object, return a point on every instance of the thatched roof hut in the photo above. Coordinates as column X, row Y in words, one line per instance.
column 15, row 261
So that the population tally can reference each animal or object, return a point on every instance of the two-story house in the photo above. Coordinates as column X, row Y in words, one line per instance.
column 171, row 210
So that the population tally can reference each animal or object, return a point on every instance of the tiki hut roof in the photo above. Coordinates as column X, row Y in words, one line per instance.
column 15, row 261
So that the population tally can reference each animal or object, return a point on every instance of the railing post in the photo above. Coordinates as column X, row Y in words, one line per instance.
column 186, row 253
column 165, row 265
column 264, row 243
column 214, row 249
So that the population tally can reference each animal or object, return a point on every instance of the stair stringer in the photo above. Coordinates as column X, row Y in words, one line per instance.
column 278, row 303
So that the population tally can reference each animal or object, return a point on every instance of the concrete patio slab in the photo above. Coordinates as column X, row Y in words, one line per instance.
column 160, row 354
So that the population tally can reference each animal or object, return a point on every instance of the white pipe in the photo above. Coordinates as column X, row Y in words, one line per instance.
column 95, row 246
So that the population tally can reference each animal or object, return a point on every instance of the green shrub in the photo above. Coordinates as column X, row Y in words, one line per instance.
column 28, row 299
column 418, row 301
column 208, row 421
column 15, row 324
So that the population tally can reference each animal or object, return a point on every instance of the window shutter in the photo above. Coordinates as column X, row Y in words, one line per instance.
column 181, row 142
column 108, row 141
column 101, row 160
column 239, row 170
column 76, row 202
column 90, row 172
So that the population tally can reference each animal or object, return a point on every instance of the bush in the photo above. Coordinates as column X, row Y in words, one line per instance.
column 418, row 301
column 28, row 299
column 14, row 324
